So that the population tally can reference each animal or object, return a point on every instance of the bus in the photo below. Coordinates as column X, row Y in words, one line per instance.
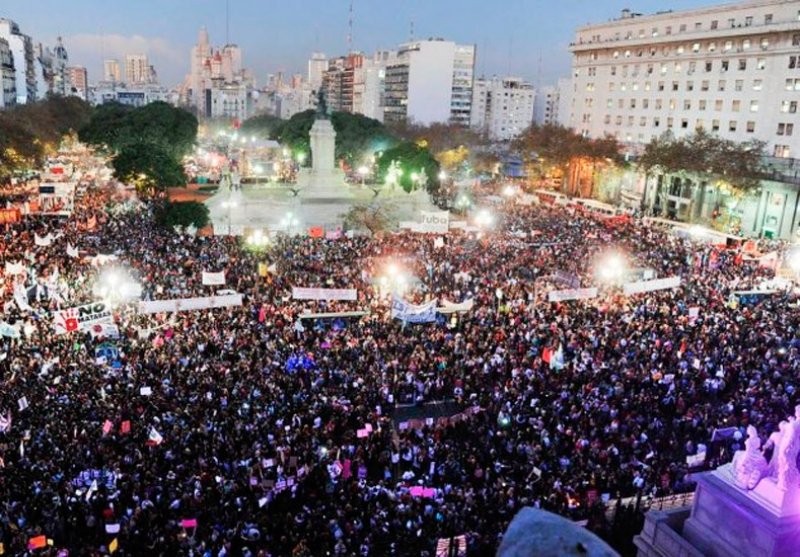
column 550, row 197
column 601, row 211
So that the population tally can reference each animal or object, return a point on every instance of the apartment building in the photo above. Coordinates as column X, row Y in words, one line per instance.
column 502, row 108
column 733, row 70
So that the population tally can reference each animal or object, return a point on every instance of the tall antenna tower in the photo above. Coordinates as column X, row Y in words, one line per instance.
column 411, row 30
column 227, row 21
column 350, row 29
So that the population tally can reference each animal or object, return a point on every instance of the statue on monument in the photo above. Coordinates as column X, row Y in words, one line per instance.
column 749, row 465
column 786, row 453
column 322, row 105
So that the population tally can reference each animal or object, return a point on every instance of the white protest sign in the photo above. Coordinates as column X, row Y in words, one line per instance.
column 433, row 222
column 300, row 293
column 213, row 279
column 640, row 287
column 190, row 304
column 571, row 294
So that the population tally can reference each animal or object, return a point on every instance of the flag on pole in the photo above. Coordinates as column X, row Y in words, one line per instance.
column 154, row 438
column 22, row 403
column 72, row 251
column 113, row 546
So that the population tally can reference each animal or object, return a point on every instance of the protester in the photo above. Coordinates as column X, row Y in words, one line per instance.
column 250, row 431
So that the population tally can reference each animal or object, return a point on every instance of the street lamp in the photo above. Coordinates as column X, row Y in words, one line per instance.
column 509, row 190
column 484, row 218
column 288, row 222
column 611, row 268
column 257, row 239
column 301, row 158
column 442, row 176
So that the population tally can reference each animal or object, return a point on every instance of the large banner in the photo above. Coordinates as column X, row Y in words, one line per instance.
column 81, row 317
column 572, row 294
column 450, row 307
column 413, row 313
column 433, row 222
column 300, row 293
column 631, row 288
column 190, row 304
column 213, row 279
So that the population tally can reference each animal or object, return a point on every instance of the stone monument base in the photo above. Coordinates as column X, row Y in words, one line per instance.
column 725, row 521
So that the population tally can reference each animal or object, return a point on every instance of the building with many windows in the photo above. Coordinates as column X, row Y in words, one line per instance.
column 78, row 80
column 733, row 70
column 137, row 69
column 502, row 108
column 8, row 84
column 22, row 51
column 111, row 71
column 429, row 81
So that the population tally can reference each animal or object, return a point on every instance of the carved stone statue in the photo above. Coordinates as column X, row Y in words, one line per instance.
column 322, row 105
column 749, row 465
column 774, row 441
column 787, row 451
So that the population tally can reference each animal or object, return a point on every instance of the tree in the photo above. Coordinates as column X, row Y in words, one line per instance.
column 181, row 213
column 115, row 126
column 375, row 217
column 413, row 161
column 704, row 158
column 265, row 126
column 148, row 166
column 356, row 135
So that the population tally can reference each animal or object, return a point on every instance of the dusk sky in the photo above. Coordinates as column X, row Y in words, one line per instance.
column 511, row 35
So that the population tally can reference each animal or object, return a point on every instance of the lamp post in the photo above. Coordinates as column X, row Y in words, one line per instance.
column 611, row 268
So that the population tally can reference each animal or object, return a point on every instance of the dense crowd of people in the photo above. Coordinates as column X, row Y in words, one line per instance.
column 278, row 434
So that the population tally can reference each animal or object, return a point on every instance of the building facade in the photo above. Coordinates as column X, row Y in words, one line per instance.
column 8, row 84
column 354, row 83
column 430, row 81
column 733, row 70
column 111, row 70
column 22, row 51
column 502, row 108
column 547, row 105
column 78, row 79
column 218, row 85
column 137, row 69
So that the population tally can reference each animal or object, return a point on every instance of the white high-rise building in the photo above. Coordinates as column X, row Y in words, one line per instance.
column 547, row 105
column 565, row 105
column 8, row 85
column 217, row 83
column 502, row 108
column 111, row 70
column 733, row 70
column 22, row 51
column 430, row 81
column 137, row 69
column 317, row 66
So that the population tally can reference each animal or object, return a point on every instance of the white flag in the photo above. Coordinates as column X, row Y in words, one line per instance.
column 72, row 251
column 42, row 242
column 22, row 403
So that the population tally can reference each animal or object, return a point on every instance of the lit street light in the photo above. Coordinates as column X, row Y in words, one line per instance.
column 611, row 268
column 363, row 171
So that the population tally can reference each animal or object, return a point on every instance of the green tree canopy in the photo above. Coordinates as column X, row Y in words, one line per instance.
column 265, row 126
column 356, row 135
column 705, row 154
column 181, row 213
column 411, row 159
column 28, row 132
column 115, row 126
column 149, row 166
column 557, row 146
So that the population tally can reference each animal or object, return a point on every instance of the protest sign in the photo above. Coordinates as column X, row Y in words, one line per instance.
column 213, row 279
column 412, row 313
column 190, row 304
column 81, row 317
column 571, row 294
column 300, row 293
column 450, row 307
column 643, row 286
